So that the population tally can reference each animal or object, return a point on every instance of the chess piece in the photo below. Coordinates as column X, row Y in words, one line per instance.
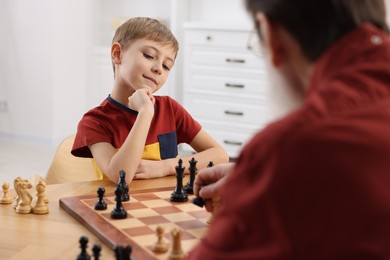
column 122, row 181
column 216, row 201
column 83, row 245
column 211, row 164
column 189, row 188
column 6, row 199
column 16, row 187
column 40, row 205
column 101, row 204
column 160, row 246
column 25, row 198
column 123, row 253
column 118, row 212
column 179, row 195
column 96, row 251
column 176, row 251
column 198, row 201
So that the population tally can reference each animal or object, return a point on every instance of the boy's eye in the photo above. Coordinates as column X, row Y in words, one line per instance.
column 148, row 56
column 166, row 67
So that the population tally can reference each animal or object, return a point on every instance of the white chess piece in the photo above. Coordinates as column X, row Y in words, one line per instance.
column 25, row 198
column 6, row 199
column 160, row 246
column 176, row 251
column 40, row 206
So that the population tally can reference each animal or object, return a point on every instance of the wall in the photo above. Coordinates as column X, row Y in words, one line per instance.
column 42, row 68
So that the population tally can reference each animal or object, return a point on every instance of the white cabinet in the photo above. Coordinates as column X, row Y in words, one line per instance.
column 224, row 83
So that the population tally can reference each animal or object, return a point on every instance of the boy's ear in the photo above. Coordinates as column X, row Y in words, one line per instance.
column 116, row 53
column 271, row 39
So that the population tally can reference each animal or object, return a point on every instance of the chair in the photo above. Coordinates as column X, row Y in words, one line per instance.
column 68, row 168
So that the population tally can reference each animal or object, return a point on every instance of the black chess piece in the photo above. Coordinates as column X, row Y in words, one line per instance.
column 96, row 251
column 189, row 188
column 101, row 204
column 179, row 195
column 123, row 253
column 122, row 181
column 83, row 245
column 198, row 201
column 211, row 164
column 118, row 212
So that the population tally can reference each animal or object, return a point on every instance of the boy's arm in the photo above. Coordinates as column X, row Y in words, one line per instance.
column 207, row 150
column 127, row 158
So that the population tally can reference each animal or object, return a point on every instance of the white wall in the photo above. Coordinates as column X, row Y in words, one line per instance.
column 42, row 68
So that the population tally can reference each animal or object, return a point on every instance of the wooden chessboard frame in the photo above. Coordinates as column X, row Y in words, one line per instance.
column 102, row 228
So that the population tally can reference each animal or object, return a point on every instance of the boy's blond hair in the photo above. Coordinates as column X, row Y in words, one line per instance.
column 144, row 28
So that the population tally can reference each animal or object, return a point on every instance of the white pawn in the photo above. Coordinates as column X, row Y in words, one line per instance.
column 40, row 206
column 176, row 251
column 160, row 246
column 6, row 199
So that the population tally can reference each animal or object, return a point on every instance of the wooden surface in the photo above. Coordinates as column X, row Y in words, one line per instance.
column 56, row 235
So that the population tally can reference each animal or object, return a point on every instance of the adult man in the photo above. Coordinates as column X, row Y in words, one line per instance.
column 315, row 183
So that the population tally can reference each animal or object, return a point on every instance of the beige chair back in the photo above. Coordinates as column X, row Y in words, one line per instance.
column 68, row 168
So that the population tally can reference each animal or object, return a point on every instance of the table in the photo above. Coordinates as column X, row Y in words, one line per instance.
column 56, row 235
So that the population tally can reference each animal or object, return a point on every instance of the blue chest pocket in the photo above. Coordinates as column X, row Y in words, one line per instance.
column 168, row 145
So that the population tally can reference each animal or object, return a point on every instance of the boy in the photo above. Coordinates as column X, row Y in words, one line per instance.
column 132, row 130
column 315, row 183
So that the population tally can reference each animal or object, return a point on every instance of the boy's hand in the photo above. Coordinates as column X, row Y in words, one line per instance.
column 141, row 99
column 209, row 181
column 148, row 169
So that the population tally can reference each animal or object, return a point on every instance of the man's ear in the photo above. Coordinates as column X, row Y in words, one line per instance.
column 271, row 39
column 116, row 53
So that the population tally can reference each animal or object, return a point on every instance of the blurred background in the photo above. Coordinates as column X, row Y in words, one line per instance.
column 55, row 65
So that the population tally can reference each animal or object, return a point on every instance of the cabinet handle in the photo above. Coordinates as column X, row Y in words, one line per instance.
column 228, row 85
column 234, row 113
column 232, row 142
column 235, row 60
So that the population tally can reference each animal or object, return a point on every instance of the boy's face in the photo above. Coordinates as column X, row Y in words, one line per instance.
column 145, row 64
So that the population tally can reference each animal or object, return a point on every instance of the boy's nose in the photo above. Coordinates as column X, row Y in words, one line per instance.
column 156, row 69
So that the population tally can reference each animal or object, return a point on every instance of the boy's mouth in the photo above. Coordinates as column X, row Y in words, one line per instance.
column 151, row 79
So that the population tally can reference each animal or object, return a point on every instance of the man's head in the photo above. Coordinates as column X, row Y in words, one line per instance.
column 294, row 34
column 315, row 25
column 147, row 29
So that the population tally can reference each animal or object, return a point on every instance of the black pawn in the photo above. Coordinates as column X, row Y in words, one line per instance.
column 122, row 181
column 83, row 245
column 189, row 188
column 198, row 201
column 118, row 212
column 96, row 251
column 101, row 204
column 179, row 195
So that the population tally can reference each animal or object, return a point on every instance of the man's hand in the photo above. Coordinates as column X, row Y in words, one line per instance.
column 209, row 182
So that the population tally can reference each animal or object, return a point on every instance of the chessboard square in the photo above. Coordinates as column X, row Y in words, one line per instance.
column 145, row 196
column 91, row 202
column 139, row 231
column 191, row 224
column 184, row 235
column 188, row 207
column 200, row 214
column 164, row 194
column 198, row 232
column 133, row 205
column 188, row 245
column 140, row 213
column 178, row 217
column 126, row 223
column 156, row 203
column 146, row 241
column 154, row 220
column 166, row 210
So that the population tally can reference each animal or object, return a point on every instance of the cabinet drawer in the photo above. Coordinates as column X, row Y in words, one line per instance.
column 247, row 88
column 227, row 111
column 237, row 60
column 238, row 39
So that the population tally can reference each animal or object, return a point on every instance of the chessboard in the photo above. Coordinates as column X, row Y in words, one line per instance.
column 146, row 210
